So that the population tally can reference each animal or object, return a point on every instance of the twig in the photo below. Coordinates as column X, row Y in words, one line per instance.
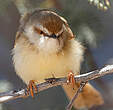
column 69, row 106
column 59, row 81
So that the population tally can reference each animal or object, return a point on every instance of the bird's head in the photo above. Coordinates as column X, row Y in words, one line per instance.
column 47, row 31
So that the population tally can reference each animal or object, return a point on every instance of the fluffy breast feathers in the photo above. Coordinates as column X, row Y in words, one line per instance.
column 31, row 64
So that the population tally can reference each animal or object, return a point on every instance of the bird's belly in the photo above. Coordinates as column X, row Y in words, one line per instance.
column 35, row 67
column 31, row 65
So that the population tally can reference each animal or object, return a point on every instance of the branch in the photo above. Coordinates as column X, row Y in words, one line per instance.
column 58, row 81
column 69, row 106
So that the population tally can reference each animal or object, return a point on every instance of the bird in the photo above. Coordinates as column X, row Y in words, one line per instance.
column 45, row 47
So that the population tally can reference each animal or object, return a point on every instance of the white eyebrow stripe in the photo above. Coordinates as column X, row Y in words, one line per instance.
column 46, row 31
column 43, row 29
column 60, row 32
column 64, row 27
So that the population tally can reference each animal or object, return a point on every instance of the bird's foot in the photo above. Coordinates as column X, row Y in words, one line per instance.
column 70, row 79
column 31, row 88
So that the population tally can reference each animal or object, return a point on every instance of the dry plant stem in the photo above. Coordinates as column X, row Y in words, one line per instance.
column 58, row 81
column 69, row 106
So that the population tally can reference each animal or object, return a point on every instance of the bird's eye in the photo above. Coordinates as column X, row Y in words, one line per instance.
column 37, row 30
column 41, row 32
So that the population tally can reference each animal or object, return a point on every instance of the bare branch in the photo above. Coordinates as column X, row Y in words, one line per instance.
column 69, row 106
column 58, row 81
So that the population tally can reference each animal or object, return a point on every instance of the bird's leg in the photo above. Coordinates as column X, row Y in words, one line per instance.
column 32, row 88
column 70, row 79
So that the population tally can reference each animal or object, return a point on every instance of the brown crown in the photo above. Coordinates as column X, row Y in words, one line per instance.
column 48, row 19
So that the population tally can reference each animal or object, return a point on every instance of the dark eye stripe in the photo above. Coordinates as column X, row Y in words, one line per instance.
column 41, row 32
column 37, row 30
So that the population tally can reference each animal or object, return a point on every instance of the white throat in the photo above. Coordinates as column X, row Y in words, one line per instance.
column 50, row 45
column 43, row 43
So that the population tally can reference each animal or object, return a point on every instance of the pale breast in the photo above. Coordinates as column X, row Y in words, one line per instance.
column 32, row 65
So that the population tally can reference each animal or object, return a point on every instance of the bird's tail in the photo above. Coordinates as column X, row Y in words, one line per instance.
column 86, row 99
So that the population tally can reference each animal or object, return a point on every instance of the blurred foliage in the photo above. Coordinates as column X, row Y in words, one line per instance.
column 84, row 21
column 27, row 5
column 4, row 87
column 4, row 6
column 30, row 5
column 100, row 4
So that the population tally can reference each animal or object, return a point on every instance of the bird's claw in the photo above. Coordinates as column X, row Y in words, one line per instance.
column 31, row 88
column 70, row 79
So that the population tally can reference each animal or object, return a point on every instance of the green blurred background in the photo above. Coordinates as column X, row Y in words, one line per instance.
column 92, row 26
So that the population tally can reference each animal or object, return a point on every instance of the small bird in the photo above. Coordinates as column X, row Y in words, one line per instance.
column 45, row 47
